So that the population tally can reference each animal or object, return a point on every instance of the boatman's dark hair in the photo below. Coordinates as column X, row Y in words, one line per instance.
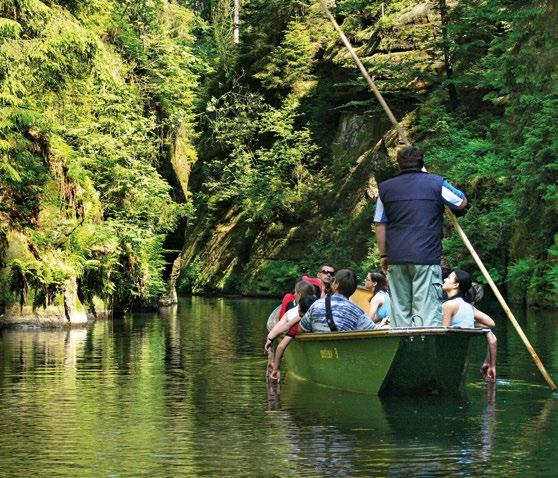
column 346, row 282
column 410, row 157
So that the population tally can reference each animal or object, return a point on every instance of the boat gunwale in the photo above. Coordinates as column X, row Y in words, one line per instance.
column 395, row 332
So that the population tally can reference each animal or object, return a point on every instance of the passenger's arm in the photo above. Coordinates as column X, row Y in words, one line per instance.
column 281, row 327
column 364, row 322
column 276, row 331
column 449, row 310
column 375, row 304
column 483, row 319
column 488, row 368
column 279, row 353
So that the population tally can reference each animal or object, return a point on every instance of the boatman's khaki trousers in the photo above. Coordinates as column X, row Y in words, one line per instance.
column 416, row 295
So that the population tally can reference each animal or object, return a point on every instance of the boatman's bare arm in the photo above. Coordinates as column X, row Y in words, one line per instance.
column 381, row 240
column 380, row 220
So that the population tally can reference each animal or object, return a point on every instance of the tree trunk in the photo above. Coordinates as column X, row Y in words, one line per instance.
column 236, row 22
column 452, row 90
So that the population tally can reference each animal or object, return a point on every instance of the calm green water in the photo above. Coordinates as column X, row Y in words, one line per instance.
column 182, row 394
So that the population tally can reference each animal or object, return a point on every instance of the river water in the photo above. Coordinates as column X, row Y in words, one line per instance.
column 182, row 393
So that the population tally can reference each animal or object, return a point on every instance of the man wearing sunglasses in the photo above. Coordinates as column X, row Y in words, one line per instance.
column 325, row 274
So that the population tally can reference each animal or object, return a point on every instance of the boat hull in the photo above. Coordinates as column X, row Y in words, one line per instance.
column 386, row 362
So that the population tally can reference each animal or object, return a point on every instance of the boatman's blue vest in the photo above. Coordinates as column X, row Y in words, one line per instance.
column 415, row 212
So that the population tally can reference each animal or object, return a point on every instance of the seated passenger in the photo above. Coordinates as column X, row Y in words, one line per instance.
column 344, row 314
column 303, row 306
column 376, row 282
column 325, row 275
column 290, row 317
column 459, row 312
column 289, row 301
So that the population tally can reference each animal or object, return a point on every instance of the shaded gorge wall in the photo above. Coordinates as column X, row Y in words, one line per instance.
column 292, row 144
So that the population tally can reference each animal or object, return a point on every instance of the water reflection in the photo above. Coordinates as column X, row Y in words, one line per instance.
column 182, row 393
column 410, row 437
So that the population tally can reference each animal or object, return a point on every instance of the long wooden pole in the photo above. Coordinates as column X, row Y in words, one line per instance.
column 452, row 218
column 364, row 72
column 502, row 301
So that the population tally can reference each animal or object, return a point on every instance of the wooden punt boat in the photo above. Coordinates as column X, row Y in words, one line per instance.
column 395, row 361
column 399, row 361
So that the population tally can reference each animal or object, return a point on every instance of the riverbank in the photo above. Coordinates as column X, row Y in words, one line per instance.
column 52, row 317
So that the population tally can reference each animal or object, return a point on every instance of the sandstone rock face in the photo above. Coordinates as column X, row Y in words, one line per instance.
column 222, row 253
column 51, row 316
column 421, row 13
column 66, row 309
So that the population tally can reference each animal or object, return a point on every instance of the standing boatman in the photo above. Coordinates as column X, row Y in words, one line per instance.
column 409, row 219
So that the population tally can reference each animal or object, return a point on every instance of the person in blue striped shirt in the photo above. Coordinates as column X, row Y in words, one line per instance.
column 408, row 220
column 346, row 315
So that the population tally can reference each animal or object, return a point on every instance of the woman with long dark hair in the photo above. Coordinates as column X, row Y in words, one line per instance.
column 459, row 312
column 380, row 302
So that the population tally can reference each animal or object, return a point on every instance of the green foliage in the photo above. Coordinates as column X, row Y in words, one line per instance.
column 551, row 276
column 521, row 275
column 44, row 278
column 95, row 97
column 273, row 278
column 190, row 278
column 222, row 23
column 91, row 98
column 290, row 62
column 496, row 139
column 267, row 169
column 500, row 145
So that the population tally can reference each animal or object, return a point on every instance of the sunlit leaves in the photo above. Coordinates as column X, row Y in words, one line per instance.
column 501, row 144
column 91, row 95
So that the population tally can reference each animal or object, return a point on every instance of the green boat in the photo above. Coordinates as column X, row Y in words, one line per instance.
column 399, row 361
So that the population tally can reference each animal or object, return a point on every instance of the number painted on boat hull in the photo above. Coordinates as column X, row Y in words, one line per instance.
column 329, row 353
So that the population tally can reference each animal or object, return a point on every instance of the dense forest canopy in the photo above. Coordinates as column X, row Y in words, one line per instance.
column 132, row 129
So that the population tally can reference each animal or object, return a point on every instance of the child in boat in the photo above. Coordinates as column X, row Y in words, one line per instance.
column 303, row 305
column 459, row 312
column 305, row 287
column 380, row 302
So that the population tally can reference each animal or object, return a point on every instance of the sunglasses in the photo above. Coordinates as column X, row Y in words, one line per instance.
column 329, row 273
